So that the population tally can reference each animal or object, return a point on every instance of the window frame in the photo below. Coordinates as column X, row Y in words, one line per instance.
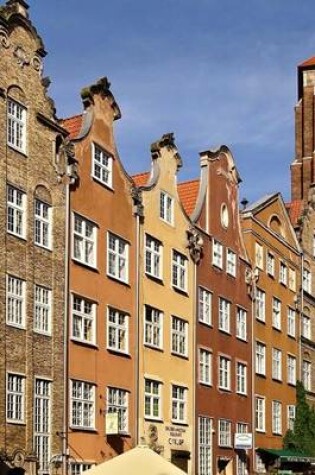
column 18, row 302
column 276, row 313
column 17, row 123
column 224, row 373
column 155, row 328
column 179, row 404
column 103, row 168
column 81, row 241
column 118, row 402
column 217, row 254
column 205, row 307
column 224, row 433
column 85, row 405
column 179, row 336
column 205, row 366
column 17, row 398
column 276, row 417
column 260, row 413
column 153, row 398
column 115, row 257
column 276, row 364
column 231, row 260
column 16, row 218
column 241, row 323
column 179, row 271
column 83, row 317
column 260, row 358
column 260, row 305
column 42, row 422
column 224, row 320
column 44, row 224
column 42, row 310
column 291, row 369
column 166, row 208
column 119, row 331
column 241, row 378
column 153, row 257
column 291, row 322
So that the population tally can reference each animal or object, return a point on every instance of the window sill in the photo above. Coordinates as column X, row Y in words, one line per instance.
column 155, row 419
column 16, row 423
column 45, row 334
column 206, row 324
column 152, row 347
column 15, row 325
column 119, row 281
column 88, row 344
column 18, row 150
column 85, row 265
column 156, row 279
column 83, row 429
column 217, row 267
column 262, row 375
column 180, row 290
column 244, row 340
column 107, row 186
column 179, row 355
column 179, row 423
column 206, row 385
column 225, row 332
column 277, row 329
column 118, row 352
column 11, row 233
column 44, row 248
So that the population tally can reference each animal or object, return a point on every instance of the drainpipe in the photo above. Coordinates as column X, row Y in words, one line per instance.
column 253, row 368
column 194, row 359
column 137, row 326
column 300, row 313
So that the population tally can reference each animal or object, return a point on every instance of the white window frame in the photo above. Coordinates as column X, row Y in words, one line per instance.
column 205, row 366
column 230, row 262
column 290, row 416
column 260, row 358
column 224, row 315
column 307, row 375
column 179, row 404
column 224, row 373
column 283, row 274
column 15, row 301
column 217, row 254
column 179, row 271
column 117, row 258
column 166, row 207
column 276, row 313
column 42, row 309
column 117, row 330
column 179, row 336
column 83, row 320
column 205, row 306
column 153, row 327
column 307, row 281
column 205, row 445
column 82, row 405
column 16, row 125
column 152, row 399
column 84, row 241
column 259, row 256
column 224, row 433
column 260, row 414
column 153, row 262
column 276, row 410
column 306, row 327
column 241, row 378
column 102, row 166
column 16, row 212
column 15, row 398
column 276, row 364
column 241, row 323
column 271, row 264
column 42, row 224
column 77, row 468
column 291, row 322
column 291, row 369
column 42, row 423
column 118, row 402
column 260, row 305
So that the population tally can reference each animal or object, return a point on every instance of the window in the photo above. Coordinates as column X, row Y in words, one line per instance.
column 276, row 313
column 231, row 262
column 241, row 324
column 276, row 364
column 291, row 368
column 224, row 315
column 77, row 468
column 166, row 207
column 42, row 309
column 16, row 212
column 306, row 375
column 241, row 458
column 224, row 373
column 241, row 378
column 82, row 405
column 117, row 257
column 205, row 306
column 225, row 433
column 179, row 403
column 260, row 305
column 259, row 256
column 306, row 326
column 291, row 417
column 153, row 327
column 15, row 397
column 42, row 437
column 84, row 241
column 260, row 414
column 205, row 366
column 179, row 271
column 217, row 254
column 307, row 281
column 205, row 445
column 260, row 358
column 179, row 335
column 117, row 400
column 15, row 301
column 42, row 224
column 153, row 257
column 292, row 280
column 260, row 466
column 270, row 264
column 277, row 417
column 291, row 322
column 16, row 126
column 283, row 277
column 152, row 399
column 102, row 165
column 83, row 320
column 117, row 331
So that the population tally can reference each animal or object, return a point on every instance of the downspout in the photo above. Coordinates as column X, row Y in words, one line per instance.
column 300, row 313
column 253, row 371
column 137, row 351
column 195, row 356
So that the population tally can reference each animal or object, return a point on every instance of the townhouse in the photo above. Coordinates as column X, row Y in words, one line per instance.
column 275, row 254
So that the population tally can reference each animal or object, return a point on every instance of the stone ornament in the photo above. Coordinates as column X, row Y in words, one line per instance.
column 4, row 41
column 20, row 54
column 195, row 244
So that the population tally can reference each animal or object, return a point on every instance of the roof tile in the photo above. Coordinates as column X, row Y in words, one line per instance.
column 73, row 125
column 295, row 210
column 308, row 62
column 188, row 192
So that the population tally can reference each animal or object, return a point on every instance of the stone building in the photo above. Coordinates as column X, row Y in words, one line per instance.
column 302, row 214
column 35, row 168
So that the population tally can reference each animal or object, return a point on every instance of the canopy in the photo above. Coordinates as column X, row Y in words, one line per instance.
column 138, row 461
column 288, row 455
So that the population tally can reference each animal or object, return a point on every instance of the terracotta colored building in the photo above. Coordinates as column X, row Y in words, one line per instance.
column 102, row 298
column 275, row 254
column 302, row 213
column 166, row 312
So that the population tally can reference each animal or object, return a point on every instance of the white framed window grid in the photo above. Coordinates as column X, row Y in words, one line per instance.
column 205, row 425
column 117, row 330
column 224, row 315
column 291, row 369
column 83, row 319
column 179, row 336
column 217, row 254
column 260, row 414
column 290, row 417
column 42, row 309
column 276, row 417
column 260, row 305
column 153, row 257
column 283, row 274
column 153, row 327
column 205, row 306
column 152, row 399
column 16, row 123
column 241, row 378
column 276, row 313
column 307, row 281
column 307, row 375
column 166, row 207
column 260, row 358
column 241, row 323
column 224, row 373
column 205, row 366
column 291, row 322
column 231, row 262
column 277, row 364
column 306, row 326
column 84, row 241
column 179, row 271
column 102, row 166
column 15, row 398
column 270, row 264
column 225, row 433
column 42, row 432
column 42, row 225
column 117, row 402
column 259, row 256
column 82, row 414
column 16, row 212
column 179, row 404
column 15, row 305
column 117, row 258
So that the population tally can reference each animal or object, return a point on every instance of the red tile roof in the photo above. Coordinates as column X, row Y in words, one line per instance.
column 308, row 62
column 73, row 125
column 141, row 178
column 188, row 192
column 295, row 210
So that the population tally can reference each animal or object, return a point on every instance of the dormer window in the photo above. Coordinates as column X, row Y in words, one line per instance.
column 102, row 166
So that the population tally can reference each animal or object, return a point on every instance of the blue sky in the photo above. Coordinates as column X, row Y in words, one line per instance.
column 211, row 71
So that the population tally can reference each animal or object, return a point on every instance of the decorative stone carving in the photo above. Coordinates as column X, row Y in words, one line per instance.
column 18, row 458
column 168, row 141
column 136, row 195
column 65, row 162
column 4, row 41
column 153, row 437
column 251, row 279
column 195, row 244
column 37, row 64
column 20, row 54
